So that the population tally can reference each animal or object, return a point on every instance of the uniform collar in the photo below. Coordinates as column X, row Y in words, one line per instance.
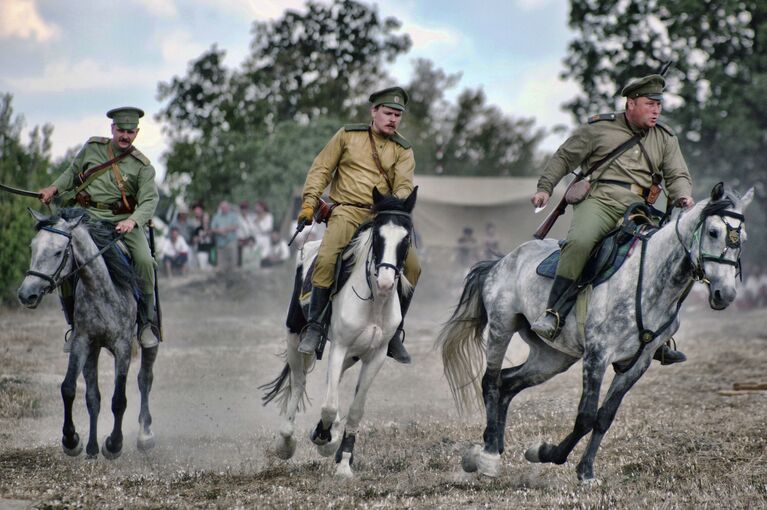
column 634, row 130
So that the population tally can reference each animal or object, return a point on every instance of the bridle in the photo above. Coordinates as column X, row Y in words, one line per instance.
column 55, row 279
column 732, row 241
column 372, row 269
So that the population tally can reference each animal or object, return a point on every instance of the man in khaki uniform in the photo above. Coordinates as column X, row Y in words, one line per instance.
column 615, row 185
column 347, row 164
column 123, row 193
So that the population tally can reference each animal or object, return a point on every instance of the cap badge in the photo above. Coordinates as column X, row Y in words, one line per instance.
column 396, row 99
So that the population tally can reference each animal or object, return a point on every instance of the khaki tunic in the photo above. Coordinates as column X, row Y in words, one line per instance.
column 138, row 175
column 346, row 164
column 606, row 203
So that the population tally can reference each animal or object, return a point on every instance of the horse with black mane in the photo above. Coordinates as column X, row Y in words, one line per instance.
column 627, row 318
column 365, row 315
column 71, row 244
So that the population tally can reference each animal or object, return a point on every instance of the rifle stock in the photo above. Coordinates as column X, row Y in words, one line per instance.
column 559, row 210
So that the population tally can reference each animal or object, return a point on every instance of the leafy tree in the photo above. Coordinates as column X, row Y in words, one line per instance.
column 24, row 166
column 716, row 87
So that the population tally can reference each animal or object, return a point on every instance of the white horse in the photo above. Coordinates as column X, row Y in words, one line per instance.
column 629, row 317
column 366, row 313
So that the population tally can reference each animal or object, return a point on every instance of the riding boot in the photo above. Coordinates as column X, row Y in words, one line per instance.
column 311, row 336
column 668, row 356
column 147, row 321
column 68, row 306
column 551, row 322
column 396, row 348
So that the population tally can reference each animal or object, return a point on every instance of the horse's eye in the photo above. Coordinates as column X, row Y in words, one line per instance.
column 58, row 253
column 713, row 233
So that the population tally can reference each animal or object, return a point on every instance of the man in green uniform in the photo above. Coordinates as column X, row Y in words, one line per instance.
column 122, row 193
column 347, row 164
column 617, row 183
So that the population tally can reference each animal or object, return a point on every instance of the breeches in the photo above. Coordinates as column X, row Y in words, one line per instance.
column 592, row 220
column 340, row 230
column 142, row 258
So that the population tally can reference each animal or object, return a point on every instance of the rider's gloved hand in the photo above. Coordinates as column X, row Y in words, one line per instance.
column 306, row 214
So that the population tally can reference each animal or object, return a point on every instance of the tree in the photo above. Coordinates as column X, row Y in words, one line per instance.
column 24, row 166
column 716, row 87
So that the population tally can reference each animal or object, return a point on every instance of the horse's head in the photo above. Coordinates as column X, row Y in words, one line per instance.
column 52, row 256
column 717, row 241
column 391, row 232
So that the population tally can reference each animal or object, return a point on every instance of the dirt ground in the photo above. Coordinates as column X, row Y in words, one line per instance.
column 676, row 443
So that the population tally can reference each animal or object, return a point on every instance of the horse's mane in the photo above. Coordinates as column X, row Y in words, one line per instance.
column 389, row 203
column 102, row 232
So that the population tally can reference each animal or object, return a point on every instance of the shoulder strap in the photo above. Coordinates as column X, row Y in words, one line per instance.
column 118, row 176
column 614, row 154
column 80, row 179
column 378, row 161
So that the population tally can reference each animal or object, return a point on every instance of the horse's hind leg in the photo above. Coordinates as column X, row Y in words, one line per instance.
column 113, row 444
column 322, row 433
column 286, row 443
column 345, row 453
column 92, row 398
column 594, row 368
column 70, row 439
column 621, row 384
column 145, row 439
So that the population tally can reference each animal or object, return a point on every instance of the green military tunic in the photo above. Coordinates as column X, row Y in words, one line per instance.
column 138, row 175
column 347, row 165
column 604, row 206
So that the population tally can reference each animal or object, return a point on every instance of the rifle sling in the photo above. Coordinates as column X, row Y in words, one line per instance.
column 614, row 154
column 83, row 179
column 378, row 160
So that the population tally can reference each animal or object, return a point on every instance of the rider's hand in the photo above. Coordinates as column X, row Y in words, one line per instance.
column 47, row 194
column 306, row 214
column 125, row 226
column 685, row 202
column 540, row 199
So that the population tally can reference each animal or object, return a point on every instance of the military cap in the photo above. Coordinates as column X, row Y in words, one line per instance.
column 393, row 97
column 126, row 117
column 650, row 86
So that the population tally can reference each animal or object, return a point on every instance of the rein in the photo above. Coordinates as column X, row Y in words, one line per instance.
column 646, row 335
column 55, row 280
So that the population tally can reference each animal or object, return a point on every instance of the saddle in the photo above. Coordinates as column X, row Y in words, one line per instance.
column 639, row 220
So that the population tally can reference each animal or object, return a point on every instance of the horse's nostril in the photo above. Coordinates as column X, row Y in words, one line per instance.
column 718, row 295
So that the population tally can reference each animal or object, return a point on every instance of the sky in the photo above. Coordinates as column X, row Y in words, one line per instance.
column 67, row 63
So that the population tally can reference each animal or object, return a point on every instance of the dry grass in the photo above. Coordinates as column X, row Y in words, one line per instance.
column 676, row 442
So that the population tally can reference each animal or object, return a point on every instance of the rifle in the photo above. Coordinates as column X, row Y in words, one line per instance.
column 543, row 229
column 156, row 286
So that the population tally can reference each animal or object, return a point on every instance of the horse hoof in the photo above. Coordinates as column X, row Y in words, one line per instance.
column 470, row 459
column 590, row 482
column 533, row 453
column 77, row 450
column 285, row 447
column 329, row 449
column 105, row 450
column 489, row 464
column 316, row 435
column 344, row 468
column 145, row 442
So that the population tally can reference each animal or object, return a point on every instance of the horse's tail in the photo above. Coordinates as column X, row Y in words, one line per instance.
column 461, row 342
column 277, row 389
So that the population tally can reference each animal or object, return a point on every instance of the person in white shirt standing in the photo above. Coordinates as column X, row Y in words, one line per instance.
column 175, row 253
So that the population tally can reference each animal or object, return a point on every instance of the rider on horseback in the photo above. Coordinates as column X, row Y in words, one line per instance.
column 625, row 174
column 357, row 159
column 120, row 189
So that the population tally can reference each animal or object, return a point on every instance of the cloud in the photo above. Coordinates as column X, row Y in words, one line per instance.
column 179, row 46
column 423, row 36
column 160, row 8
column 63, row 76
column 257, row 9
column 531, row 5
column 19, row 18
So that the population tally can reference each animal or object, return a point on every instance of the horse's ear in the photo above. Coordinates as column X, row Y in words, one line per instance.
column 410, row 200
column 39, row 217
column 747, row 197
column 377, row 196
column 717, row 192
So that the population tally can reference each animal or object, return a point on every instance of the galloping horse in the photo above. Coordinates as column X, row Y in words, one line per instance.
column 104, row 317
column 628, row 318
column 366, row 313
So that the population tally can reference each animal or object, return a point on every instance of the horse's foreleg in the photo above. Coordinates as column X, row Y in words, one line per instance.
column 70, row 440
column 92, row 399
column 593, row 373
column 621, row 384
column 345, row 452
column 113, row 444
column 321, row 435
column 145, row 438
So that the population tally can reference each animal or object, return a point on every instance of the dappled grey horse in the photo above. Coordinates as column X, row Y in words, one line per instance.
column 104, row 317
column 627, row 319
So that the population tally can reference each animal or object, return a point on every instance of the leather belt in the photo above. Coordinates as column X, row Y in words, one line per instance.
column 359, row 206
column 633, row 187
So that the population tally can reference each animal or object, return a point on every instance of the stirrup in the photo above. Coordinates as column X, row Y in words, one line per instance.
column 557, row 326
column 68, row 340
column 309, row 327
